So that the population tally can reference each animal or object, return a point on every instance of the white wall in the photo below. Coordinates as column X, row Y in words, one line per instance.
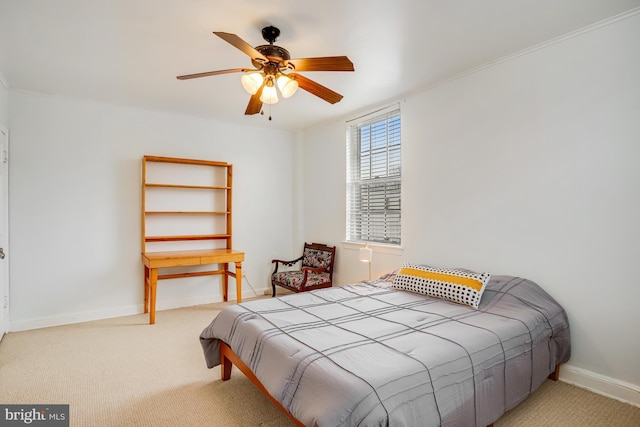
column 528, row 167
column 75, row 205
column 4, row 104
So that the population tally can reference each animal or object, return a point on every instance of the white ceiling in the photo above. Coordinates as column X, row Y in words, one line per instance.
column 129, row 52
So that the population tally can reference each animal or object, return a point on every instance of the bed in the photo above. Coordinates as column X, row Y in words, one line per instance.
column 369, row 354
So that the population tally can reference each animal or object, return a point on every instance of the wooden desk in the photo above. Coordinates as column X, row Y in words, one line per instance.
column 154, row 260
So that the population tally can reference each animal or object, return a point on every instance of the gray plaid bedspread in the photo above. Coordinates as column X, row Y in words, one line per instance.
column 369, row 355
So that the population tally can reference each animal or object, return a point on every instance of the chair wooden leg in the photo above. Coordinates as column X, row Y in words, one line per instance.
column 274, row 289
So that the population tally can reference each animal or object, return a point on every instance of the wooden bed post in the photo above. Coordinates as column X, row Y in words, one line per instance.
column 225, row 364
column 555, row 374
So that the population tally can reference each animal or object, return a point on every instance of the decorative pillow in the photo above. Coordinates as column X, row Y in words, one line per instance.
column 461, row 286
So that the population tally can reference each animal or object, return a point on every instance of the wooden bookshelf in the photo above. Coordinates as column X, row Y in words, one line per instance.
column 168, row 184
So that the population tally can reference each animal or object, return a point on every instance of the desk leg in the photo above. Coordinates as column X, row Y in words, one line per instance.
column 239, row 282
column 146, row 289
column 153, row 284
column 225, row 281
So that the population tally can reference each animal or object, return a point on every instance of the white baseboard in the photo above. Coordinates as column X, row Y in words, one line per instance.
column 87, row 316
column 606, row 386
column 69, row 318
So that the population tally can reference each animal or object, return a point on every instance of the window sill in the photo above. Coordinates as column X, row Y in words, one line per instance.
column 376, row 247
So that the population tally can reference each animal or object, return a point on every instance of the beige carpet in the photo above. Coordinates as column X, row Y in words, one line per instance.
column 124, row 372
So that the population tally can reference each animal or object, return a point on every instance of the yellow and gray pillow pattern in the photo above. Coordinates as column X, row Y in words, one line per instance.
column 461, row 286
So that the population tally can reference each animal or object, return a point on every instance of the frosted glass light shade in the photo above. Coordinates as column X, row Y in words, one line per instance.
column 287, row 86
column 251, row 82
column 269, row 95
column 366, row 254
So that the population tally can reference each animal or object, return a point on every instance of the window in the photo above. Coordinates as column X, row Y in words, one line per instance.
column 374, row 179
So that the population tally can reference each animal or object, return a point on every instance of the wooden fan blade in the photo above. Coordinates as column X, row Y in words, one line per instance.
column 242, row 45
column 214, row 73
column 326, row 63
column 316, row 88
column 255, row 105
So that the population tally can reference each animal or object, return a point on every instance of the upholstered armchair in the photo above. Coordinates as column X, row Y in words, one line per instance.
column 316, row 269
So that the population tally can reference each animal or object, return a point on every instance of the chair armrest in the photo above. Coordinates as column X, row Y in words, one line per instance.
column 287, row 263
column 277, row 262
column 307, row 270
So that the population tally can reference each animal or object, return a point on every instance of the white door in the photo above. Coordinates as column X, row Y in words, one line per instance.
column 4, row 232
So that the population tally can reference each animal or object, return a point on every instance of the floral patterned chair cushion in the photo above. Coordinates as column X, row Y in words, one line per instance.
column 294, row 279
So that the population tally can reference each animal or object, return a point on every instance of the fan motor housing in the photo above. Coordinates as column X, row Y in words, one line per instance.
column 276, row 54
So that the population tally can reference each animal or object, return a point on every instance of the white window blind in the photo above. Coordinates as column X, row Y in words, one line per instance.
column 374, row 179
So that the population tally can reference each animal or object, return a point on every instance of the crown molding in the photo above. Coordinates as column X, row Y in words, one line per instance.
column 551, row 42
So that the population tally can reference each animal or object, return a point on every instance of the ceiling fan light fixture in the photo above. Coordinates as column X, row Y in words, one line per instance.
column 274, row 71
column 287, row 85
column 269, row 92
column 251, row 82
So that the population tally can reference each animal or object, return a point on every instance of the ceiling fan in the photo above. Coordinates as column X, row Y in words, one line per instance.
column 275, row 68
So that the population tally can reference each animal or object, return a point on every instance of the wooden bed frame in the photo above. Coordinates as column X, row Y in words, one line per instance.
column 228, row 358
